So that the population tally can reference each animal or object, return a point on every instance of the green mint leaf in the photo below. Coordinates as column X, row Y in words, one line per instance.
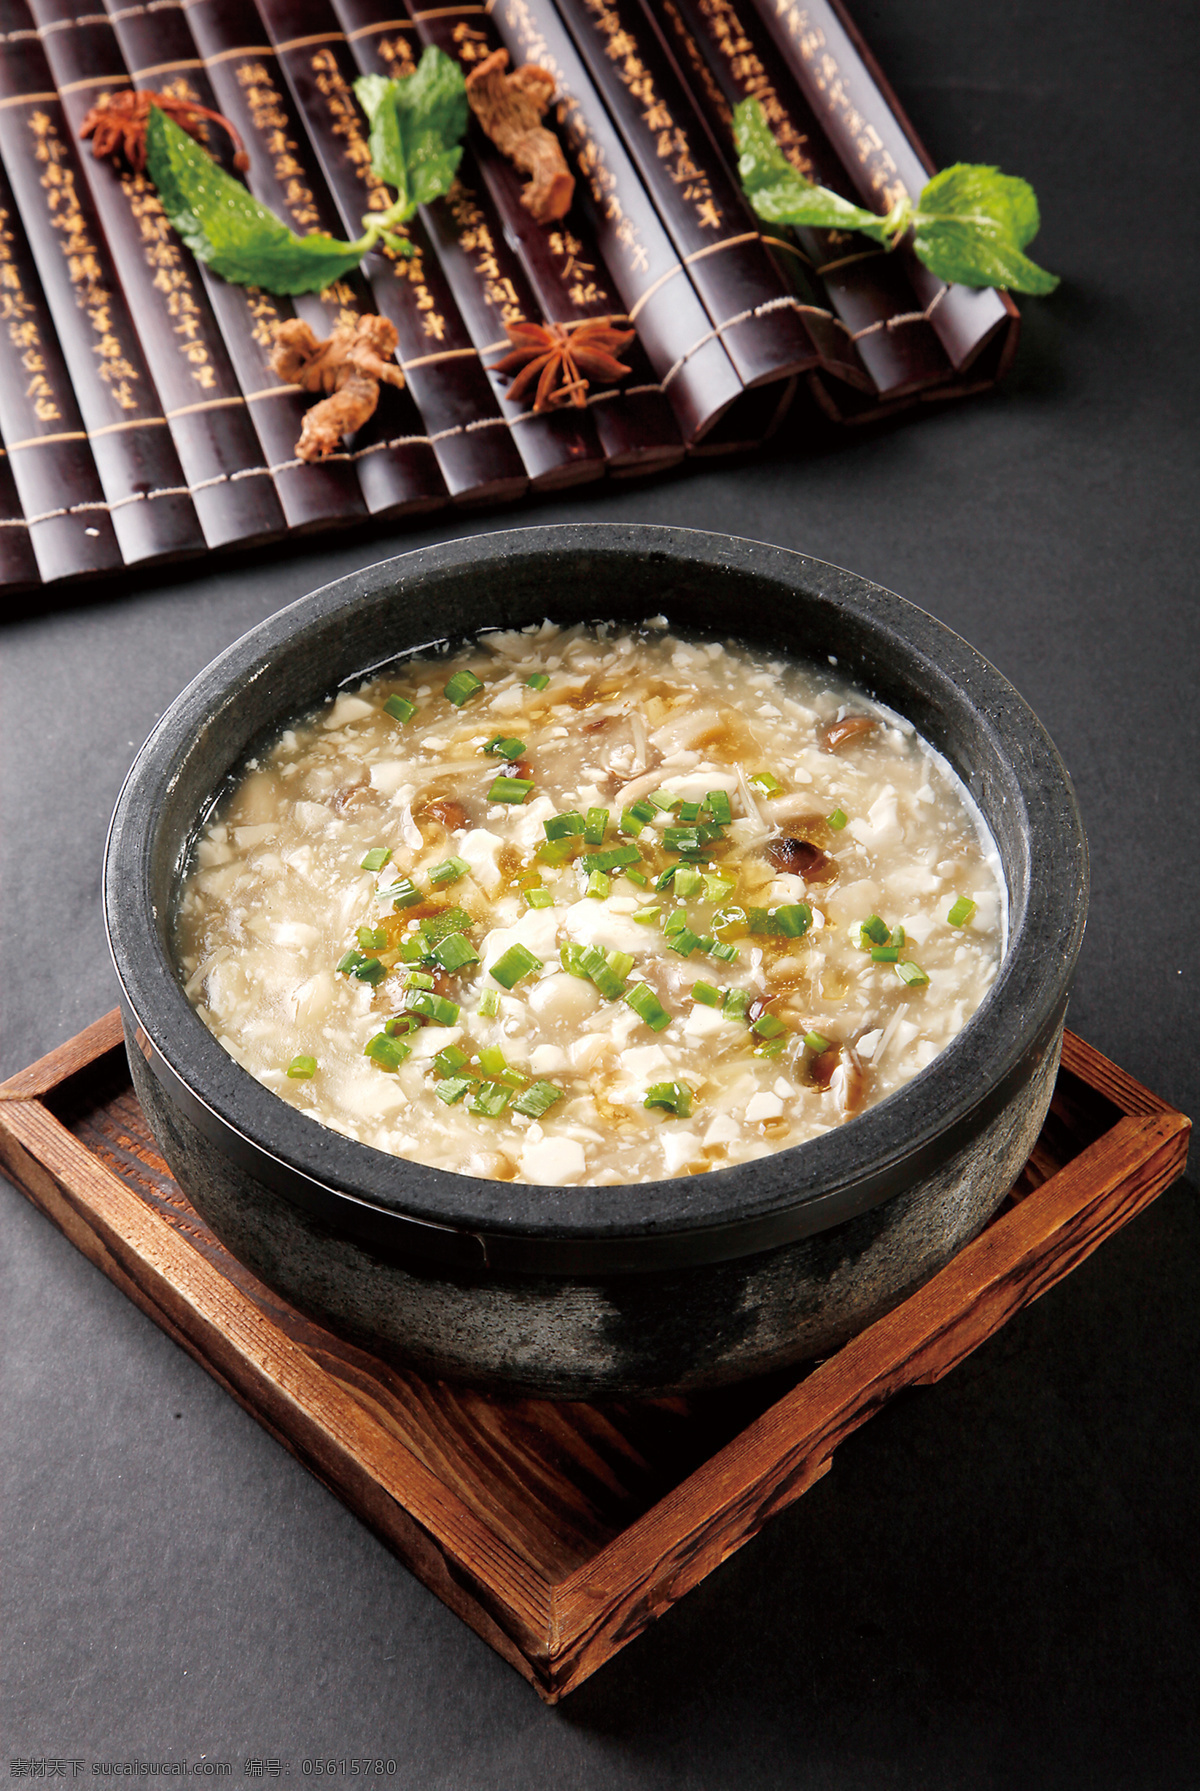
column 225, row 226
column 971, row 224
column 782, row 196
column 417, row 124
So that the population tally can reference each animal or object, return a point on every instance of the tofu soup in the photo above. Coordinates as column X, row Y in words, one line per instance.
column 591, row 905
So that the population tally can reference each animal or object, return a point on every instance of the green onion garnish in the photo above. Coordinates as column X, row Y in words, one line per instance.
column 490, row 1099
column 638, row 877
column 555, row 851
column 537, row 1099
column 452, row 1089
column 496, row 1067
column 400, row 708
column 677, row 1096
column 717, row 887
column 717, row 802
column 689, row 812
column 367, row 970
column 412, row 950
column 597, row 823
column 301, row 1068
column 455, row 951
column 489, row 1004
column 615, row 859
column 682, row 839
column 873, row 929
column 596, row 966
column 621, row 962
column 402, row 894
column 684, row 941
column 462, row 686
column 688, row 881
column 569, row 956
column 449, row 1059
column 837, row 820
column 769, row 1048
column 736, row 1002
column 764, row 781
column 431, row 1007
column 760, row 921
column 663, row 799
column 538, row 898
column 794, row 919
column 418, row 979
column 505, row 746
column 401, row 1023
column 446, row 920
column 449, row 871
column 599, row 884
column 726, row 953
column 510, row 789
column 646, row 916
column 646, row 1005
column 537, row 681
column 642, row 810
column 911, row 973
column 665, row 878
column 630, row 823
column 768, row 1026
column 675, row 922
column 897, row 936
column 962, row 911
column 562, row 827
column 376, row 858
column 727, row 919
column 885, row 954
column 706, row 993
column 388, row 1053
column 816, row 1042
column 371, row 938
column 518, row 961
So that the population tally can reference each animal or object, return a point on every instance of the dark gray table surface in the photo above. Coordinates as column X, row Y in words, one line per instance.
column 997, row 1584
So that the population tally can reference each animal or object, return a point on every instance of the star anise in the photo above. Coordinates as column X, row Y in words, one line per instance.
column 561, row 361
column 119, row 120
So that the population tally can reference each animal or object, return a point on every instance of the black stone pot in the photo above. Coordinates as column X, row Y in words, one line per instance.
column 649, row 1287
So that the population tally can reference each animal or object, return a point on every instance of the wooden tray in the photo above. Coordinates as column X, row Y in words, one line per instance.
column 558, row 1532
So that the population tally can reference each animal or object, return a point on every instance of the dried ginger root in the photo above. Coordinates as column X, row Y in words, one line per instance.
column 509, row 109
column 347, row 367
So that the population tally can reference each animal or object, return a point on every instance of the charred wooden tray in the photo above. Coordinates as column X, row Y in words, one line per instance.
column 558, row 1532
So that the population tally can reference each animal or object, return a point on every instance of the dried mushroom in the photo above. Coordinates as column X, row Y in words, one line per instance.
column 347, row 367
column 509, row 108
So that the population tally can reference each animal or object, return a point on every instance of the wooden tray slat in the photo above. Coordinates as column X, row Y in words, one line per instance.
column 557, row 1531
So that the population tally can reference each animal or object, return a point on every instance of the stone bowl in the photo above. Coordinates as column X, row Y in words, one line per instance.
column 644, row 1288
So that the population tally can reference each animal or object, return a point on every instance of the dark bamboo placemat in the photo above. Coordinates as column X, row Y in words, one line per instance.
column 139, row 416
column 558, row 1531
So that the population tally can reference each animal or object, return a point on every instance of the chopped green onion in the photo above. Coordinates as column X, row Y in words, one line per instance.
column 885, row 954
column 911, row 973
column 388, row 1053
column 727, row 919
column 510, row 789
column 646, row 1005
column 371, row 938
column 706, row 943
column 496, row 1067
column 538, row 898
column 489, row 1004
column 682, row 839
column 431, row 1007
column 641, row 810
column 676, row 1096
column 665, row 878
column 570, row 956
column 873, row 929
column 412, row 950
column 598, row 885
column 561, row 827
column 706, row 993
column 837, row 820
column 615, row 859
column 760, row 921
column 504, row 746
column 688, row 881
column 400, row 1023
column 689, row 812
column 646, row 917
column 597, row 823
column 537, row 681
column 518, row 961
column 367, row 970
column 452, row 1089
column 462, row 686
column 794, row 919
column 663, row 799
column 736, row 1002
column 555, row 851
column 630, row 824
column 376, row 858
column 769, row 1048
column 399, row 708
column 684, row 941
column 638, row 877
column 621, row 962
column 817, row 1042
column 537, row 1099
column 455, row 951
column 717, row 887
column 302, row 1067
column 768, row 1026
column 449, row 1059
column 764, row 781
column 717, row 802
column 490, row 1099
column 402, row 894
column 418, row 979
column 675, row 922
column 726, row 953
column 449, row 871
column 446, row 920
column 596, row 966
column 897, row 937
column 962, row 911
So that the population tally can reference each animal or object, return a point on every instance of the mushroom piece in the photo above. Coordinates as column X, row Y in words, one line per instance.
column 509, row 108
column 850, row 728
column 839, row 1073
column 800, row 858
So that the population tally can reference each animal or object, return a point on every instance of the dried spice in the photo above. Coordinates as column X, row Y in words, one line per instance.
column 509, row 108
column 118, row 122
column 562, row 362
column 347, row 367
